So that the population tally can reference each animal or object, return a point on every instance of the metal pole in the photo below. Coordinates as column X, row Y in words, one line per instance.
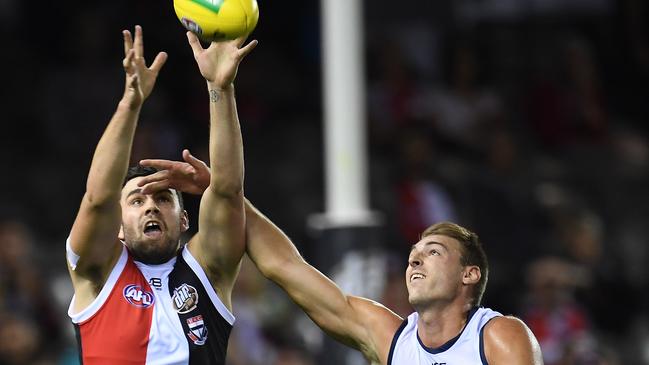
column 348, row 237
column 344, row 105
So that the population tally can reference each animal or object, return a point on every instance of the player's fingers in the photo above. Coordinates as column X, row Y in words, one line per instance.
column 157, row 164
column 128, row 41
column 155, row 177
column 127, row 62
column 240, row 40
column 152, row 187
column 190, row 159
column 158, row 62
column 194, row 43
column 243, row 52
column 138, row 44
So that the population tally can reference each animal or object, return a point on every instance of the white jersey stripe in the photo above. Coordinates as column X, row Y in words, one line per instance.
column 218, row 304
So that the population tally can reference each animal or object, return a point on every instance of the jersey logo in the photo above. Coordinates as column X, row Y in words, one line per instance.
column 137, row 296
column 185, row 299
column 156, row 283
column 197, row 330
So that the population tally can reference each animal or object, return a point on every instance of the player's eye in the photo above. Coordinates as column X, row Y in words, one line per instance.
column 434, row 252
column 136, row 201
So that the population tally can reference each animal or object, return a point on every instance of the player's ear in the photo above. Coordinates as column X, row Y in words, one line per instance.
column 471, row 275
column 184, row 221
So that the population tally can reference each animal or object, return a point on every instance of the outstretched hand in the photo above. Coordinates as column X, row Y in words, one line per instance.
column 191, row 176
column 140, row 79
column 219, row 62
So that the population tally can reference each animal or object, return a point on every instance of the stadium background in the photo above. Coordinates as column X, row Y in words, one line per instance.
column 524, row 120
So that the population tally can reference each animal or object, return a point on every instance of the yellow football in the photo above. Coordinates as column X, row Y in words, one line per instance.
column 216, row 20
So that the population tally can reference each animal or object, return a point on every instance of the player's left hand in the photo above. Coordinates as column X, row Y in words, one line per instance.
column 191, row 176
column 219, row 62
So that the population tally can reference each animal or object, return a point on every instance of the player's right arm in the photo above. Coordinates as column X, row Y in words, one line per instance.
column 357, row 322
column 94, row 234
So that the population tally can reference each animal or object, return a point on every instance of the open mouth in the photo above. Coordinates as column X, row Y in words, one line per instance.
column 152, row 230
column 416, row 276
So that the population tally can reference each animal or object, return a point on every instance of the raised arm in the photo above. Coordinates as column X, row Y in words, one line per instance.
column 357, row 322
column 94, row 234
column 220, row 242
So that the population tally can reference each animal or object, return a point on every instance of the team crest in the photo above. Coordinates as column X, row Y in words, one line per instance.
column 137, row 296
column 185, row 299
column 197, row 330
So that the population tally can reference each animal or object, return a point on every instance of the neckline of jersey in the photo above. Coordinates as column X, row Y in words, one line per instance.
column 451, row 342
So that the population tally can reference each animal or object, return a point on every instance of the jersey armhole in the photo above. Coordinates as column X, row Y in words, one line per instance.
column 214, row 297
column 483, row 357
column 101, row 298
column 393, row 345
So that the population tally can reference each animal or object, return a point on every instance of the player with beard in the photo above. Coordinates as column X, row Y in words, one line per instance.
column 140, row 296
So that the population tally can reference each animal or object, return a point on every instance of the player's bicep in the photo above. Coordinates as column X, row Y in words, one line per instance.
column 94, row 237
column 220, row 241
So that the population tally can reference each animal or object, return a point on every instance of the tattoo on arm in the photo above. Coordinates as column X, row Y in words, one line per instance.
column 215, row 96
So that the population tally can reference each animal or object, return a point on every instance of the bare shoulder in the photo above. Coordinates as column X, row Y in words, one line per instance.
column 508, row 340
column 381, row 324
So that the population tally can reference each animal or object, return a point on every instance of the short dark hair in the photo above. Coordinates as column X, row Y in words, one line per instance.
column 472, row 252
column 138, row 171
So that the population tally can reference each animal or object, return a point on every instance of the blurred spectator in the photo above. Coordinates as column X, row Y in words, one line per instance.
column 391, row 91
column 292, row 356
column 21, row 341
column 503, row 211
column 602, row 282
column 561, row 326
column 248, row 344
column 566, row 103
column 421, row 197
column 24, row 289
column 466, row 106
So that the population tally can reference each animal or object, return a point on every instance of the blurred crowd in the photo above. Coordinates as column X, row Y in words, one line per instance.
column 526, row 121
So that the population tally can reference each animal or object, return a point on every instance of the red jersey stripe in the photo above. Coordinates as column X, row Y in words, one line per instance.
column 107, row 340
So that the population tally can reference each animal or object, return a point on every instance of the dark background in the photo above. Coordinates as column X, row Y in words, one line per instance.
column 525, row 121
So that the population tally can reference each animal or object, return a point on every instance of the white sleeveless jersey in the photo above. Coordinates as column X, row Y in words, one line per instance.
column 166, row 314
column 465, row 349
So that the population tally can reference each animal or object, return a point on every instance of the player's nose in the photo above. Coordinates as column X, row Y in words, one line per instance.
column 151, row 207
column 414, row 261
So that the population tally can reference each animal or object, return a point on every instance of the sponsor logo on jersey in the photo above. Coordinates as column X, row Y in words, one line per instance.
column 197, row 330
column 156, row 283
column 138, row 296
column 185, row 298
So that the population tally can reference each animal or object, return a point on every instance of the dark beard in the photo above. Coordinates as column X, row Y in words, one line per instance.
column 152, row 256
